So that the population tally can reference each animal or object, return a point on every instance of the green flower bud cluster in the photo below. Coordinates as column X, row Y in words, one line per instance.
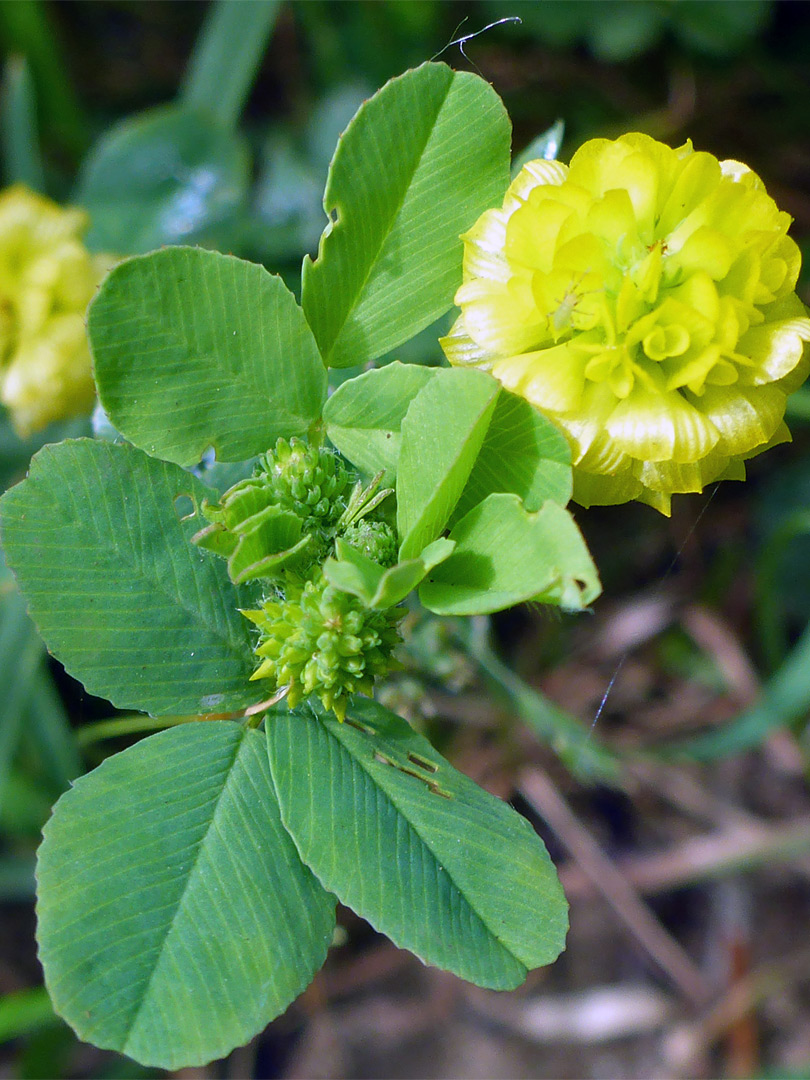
column 309, row 480
column 374, row 539
column 279, row 526
column 319, row 640
column 281, row 520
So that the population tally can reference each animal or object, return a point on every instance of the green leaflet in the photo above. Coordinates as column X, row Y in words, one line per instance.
column 505, row 555
column 117, row 590
column 523, row 453
column 442, row 433
column 195, row 349
column 377, row 587
column 364, row 415
column 415, row 847
column 168, row 176
column 451, row 437
column 175, row 917
column 417, row 165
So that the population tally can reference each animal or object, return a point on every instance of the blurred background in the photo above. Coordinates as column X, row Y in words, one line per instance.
column 659, row 744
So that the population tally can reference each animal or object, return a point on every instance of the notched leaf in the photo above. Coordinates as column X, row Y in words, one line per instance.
column 390, row 264
column 423, row 763
column 386, row 754
column 185, row 507
column 360, row 727
column 505, row 555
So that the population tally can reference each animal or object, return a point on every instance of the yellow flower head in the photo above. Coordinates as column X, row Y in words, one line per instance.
column 47, row 278
column 643, row 299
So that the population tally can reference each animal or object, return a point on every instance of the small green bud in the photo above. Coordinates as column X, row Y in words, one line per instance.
column 282, row 519
column 374, row 539
column 322, row 641
column 309, row 480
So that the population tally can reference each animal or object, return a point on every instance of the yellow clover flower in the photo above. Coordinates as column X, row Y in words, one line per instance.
column 643, row 299
column 47, row 278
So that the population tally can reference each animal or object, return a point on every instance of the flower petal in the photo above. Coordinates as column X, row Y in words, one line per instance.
column 775, row 347
column 498, row 318
column 532, row 175
column 483, row 248
column 661, row 427
column 551, row 379
column 461, row 350
column 597, row 489
column 745, row 417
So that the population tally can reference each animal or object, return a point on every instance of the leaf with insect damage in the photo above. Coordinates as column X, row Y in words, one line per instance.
column 505, row 555
column 414, row 846
column 418, row 164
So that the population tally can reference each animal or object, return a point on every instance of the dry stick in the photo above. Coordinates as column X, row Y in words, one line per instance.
column 729, row 819
column 700, row 858
column 742, row 998
column 683, row 791
column 546, row 800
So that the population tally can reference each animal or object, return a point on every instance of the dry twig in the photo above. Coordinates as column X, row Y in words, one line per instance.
column 631, row 910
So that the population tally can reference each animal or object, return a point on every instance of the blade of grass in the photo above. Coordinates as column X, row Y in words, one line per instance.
column 17, row 694
column 51, row 731
column 573, row 743
column 25, row 1011
column 18, row 127
column 786, row 699
column 226, row 57
column 20, row 658
column 26, row 28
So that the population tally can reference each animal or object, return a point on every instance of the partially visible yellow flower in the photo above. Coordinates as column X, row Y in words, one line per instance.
column 47, row 279
column 643, row 299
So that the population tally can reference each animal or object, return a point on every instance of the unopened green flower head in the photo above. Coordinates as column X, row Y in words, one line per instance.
column 374, row 539
column 643, row 299
column 47, row 279
column 306, row 478
column 319, row 640
column 282, row 519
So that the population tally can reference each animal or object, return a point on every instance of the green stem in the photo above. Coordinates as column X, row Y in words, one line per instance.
column 226, row 57
column 568, row 738
column 25, row 28
column 128, row 725
column 18, row 126
column 798, row 405
column 770, row 626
